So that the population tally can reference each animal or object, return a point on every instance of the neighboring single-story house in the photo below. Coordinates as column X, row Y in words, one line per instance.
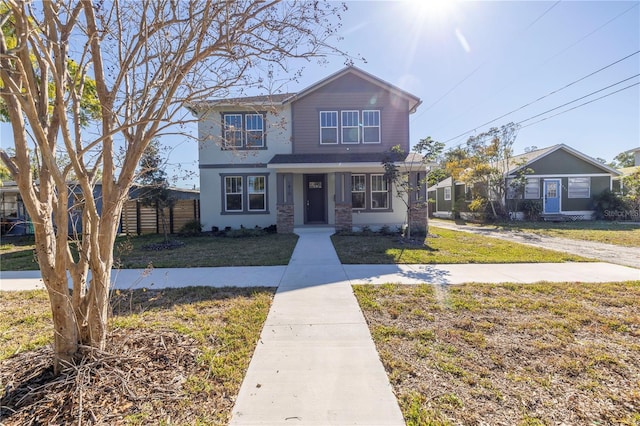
column 561, row 179
column 445, row 198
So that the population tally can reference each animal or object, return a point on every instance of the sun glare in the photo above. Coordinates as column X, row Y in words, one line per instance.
column 433, row 10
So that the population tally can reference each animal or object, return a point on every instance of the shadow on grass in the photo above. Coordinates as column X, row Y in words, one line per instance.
column 136, row 301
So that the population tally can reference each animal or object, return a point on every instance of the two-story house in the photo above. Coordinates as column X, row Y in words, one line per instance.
column 308, row 158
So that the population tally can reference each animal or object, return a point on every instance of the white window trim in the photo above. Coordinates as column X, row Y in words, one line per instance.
column 574, row 179
column 532, row 182
column 379, row 126
column 447, row 194
column 343, row 127
column 378, row 191
column 260, row 131
column 226, row 131
column 250, row 192
column 336, row 127
column 363, row 191
column 226, row 208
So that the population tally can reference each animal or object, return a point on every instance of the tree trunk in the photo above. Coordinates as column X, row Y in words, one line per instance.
column 64, row 321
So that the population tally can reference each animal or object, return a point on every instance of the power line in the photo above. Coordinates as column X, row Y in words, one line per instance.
column 579, row 99
column 557, row 54
column 568, row 103
column 476, row 69
column 582, row 104
column 547, row 95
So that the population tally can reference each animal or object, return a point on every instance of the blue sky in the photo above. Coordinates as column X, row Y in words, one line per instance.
column 472, row 62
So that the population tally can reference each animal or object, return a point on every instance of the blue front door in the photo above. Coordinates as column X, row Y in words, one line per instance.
column 551, row 196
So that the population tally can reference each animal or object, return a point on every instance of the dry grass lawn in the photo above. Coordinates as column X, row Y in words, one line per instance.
column 541, row 354
column 175, row 356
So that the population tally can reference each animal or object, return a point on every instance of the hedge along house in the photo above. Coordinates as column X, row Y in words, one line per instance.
column 308, row 158
column 559, row 179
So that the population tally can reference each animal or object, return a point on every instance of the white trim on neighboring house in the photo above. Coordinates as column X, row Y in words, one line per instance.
column 562, row 175
column 547, row 151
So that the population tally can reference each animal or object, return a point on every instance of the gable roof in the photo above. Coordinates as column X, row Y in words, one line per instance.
column 263, row 100
column 414, row 101
column 521, row 161
column 283, row 98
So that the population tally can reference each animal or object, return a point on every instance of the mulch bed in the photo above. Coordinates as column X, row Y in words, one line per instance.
column 144, row 368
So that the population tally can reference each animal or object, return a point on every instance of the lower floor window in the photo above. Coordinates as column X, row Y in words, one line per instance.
column 233, row 193
column 379, row 192
column 245, row 193
column 370, row 192
column 358, row 191
column 257, row 193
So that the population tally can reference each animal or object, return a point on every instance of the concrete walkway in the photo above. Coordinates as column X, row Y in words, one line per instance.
column 273, row 276
column 628, row 256
column 315, row 363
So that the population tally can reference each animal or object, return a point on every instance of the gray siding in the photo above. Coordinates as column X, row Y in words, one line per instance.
column 562, row 162
column 350, row 93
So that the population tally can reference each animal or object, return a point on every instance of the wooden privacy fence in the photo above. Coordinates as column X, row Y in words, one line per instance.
column 140, row 219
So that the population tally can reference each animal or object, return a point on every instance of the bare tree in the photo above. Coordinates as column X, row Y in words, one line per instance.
column 144, row 60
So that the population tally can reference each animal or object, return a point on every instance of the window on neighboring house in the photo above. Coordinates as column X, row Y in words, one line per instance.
column 379, row 192
column 257, row 193
column 371, row 126
column 233, row 131
column 532, row 189
column 358, row 191
column 468, row 193
column 579, row 187
column 447, row 193
column 255, row 130
column 328, row 127
column 233, row 193
column 350, row 127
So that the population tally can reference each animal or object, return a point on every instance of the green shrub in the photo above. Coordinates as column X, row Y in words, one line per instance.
column 607, row 202
column 532, row 209
column 193, row 227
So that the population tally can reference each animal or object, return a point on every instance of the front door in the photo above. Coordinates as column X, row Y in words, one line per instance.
column 315, row 197
column 551, row 196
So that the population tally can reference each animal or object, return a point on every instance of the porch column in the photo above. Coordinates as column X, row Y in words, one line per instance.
column 344, row 217
column 418, row 207
column 284, row 204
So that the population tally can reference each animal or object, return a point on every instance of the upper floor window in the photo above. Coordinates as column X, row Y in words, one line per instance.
column 243, row 130
column 233, row 131
column 328, row 127
column 255, row 130
column 355, row 127
column 371, row 126
column 350, row 127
